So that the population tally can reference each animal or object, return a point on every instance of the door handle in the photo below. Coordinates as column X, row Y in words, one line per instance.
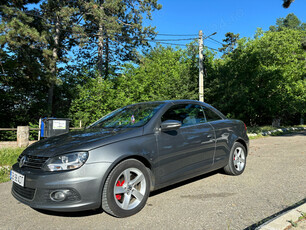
column 210, row 137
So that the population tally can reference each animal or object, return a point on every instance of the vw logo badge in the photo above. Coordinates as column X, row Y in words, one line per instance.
column 22, row 161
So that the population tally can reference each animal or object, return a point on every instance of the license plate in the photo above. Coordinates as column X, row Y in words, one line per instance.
column 17, row 178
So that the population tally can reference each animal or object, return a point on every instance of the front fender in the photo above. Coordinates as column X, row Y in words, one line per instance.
column 143, row 148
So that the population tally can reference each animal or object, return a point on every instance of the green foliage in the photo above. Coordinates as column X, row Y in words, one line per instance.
column 230, row 43
column 163, row 74
column 115, row 30
column 36, row 43
column 94, row 100
column 8, row 135
column 257, row 80
column 33, row 133
column 21, row 81
column 290, row 22
column 263, row 79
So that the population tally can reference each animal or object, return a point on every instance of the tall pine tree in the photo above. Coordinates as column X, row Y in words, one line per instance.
column 115, row 31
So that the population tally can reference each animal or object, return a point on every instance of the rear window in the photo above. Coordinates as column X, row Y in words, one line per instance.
column 211, row 115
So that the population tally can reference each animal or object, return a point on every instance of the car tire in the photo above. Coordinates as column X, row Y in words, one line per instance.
column 237, row 160
column 126, row 189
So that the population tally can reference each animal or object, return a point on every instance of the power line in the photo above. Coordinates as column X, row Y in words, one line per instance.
column 167, row 43
column 164, row 40
column 213, row 42
column 177, row 35
column 212, row 49
column 216, row 41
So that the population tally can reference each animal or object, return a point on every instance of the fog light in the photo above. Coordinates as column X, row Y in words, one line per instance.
column 68, row 195
column 58, row 195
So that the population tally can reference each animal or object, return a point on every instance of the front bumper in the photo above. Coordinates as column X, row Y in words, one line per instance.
column 84, row 184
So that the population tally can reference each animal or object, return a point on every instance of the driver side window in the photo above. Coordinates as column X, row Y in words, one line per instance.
column 187, row 114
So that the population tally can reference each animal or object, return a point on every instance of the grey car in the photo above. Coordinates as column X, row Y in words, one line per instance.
column 115, row 162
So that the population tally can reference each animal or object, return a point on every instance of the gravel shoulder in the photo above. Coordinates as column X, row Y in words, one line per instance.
column 274, row 179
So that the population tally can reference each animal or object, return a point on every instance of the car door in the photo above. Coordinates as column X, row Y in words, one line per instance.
column 187, row 150
column 222, row 132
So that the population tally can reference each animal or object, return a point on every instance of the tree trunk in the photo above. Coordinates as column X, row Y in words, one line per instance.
column 53, row 67
column 50, row 99
column 106, row 58
column 100, row 50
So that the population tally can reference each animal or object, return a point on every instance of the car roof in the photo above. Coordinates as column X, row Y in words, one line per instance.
column 172, row 101
column 191, row 101
column 182, row 101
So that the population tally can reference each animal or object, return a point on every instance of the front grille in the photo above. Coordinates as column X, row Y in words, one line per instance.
column 33, row 161
column 27, row 193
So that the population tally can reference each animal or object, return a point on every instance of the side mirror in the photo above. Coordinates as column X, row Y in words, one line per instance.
column 169, row 125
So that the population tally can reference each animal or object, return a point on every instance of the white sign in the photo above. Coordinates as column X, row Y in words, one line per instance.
column 59, row 124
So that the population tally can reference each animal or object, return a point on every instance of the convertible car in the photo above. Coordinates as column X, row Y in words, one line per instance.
column 115, row 162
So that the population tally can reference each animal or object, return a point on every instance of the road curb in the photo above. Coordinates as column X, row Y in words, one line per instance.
column 282, row 222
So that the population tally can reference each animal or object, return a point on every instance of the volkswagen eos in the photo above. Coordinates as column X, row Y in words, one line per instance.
column 115, row 162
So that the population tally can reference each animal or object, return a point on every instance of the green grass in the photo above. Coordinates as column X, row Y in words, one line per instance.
column 4, row 175
column 296, row 223
column 302, row 217
column 8, row 157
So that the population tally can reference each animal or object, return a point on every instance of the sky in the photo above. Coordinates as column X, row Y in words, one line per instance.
column 221, row 16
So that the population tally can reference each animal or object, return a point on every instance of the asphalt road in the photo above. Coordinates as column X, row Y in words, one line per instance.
column 273, row 180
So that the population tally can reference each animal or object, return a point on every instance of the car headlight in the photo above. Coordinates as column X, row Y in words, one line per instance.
column 66, row 162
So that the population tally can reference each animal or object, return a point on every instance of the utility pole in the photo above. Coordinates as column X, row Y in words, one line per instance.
column 201, row 71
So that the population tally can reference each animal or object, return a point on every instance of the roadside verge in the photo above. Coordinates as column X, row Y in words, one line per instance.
column 286, row 220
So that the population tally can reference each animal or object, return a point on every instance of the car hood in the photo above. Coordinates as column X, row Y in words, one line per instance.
column 83, row 140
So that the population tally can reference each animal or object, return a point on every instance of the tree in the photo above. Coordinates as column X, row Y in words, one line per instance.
column 290, row 22
column 95, row 99
column 38, row 40
column 263, row 79
column 22, row 58
column 231, row 40
column 60, row 22
column 164, row 73
column 115, row 31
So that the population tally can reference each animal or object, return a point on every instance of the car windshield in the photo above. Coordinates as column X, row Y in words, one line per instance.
column 130, row 116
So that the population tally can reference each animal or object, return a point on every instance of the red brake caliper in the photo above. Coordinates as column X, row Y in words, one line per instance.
column 119, row 184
